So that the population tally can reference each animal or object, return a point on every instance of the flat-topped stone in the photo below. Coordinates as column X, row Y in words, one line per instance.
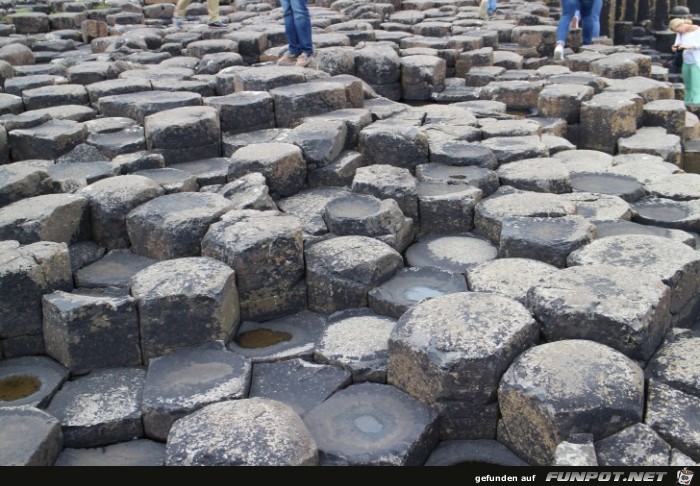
column 21, row 180
column 100, row 408
column 35, row 436
column 356, row 340
column 512, row 148
column 189, row 379
column 141, row 104
column 282, row 164
column 484, row 179
column 372, row 424
column 544, row 174
column 684, row 215
column 30, row 380
column 674, row 362
column 253, row 432
column 453, row 253
column 511, row 277
column 140, row 452
column 115, row 269
column 309, row 206
column 458, row 372
column 636, row 445
column 47, row 141
column 622, row 227
column 654, row 141
column 554, row 389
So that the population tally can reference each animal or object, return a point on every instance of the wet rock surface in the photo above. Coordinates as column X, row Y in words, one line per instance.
column 164, row 187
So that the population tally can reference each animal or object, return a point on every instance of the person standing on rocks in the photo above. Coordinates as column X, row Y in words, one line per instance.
column 212, row 8
column 487, row 8
column 590, row 15
column 297, row 28
column 688, row 41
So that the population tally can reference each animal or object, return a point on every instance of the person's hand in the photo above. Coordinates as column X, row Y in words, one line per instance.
column 674, row 47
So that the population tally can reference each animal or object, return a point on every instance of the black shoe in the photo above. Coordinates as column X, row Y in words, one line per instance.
column 218, row 25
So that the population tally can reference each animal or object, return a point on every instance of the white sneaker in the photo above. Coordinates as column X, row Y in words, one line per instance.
column 559, row 53
column 287, row 60
column 304, row 60
column 483, row 10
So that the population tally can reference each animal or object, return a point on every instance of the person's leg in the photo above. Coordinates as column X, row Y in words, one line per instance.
column 492, row 5
column 595, row 15
column 180, row 7
column 213, row 9
column 568, row 9
column 290, row 28
column 302, row 25
column 691, row 79
column 587, row 21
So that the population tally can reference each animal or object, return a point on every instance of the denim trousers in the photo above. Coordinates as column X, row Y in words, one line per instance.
column 297, row 26
column 491, row 6
column 590, row 19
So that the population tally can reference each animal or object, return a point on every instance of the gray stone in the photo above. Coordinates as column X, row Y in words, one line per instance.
column 396, row 144
column 85, row 332
column 669, row 412
column 309, row 206
column 674, row 363
column 568, row 386
column 173, row 225
column 248, row 192
column 675, row 263
column 297, row 383
column 600, row 207
column 372, row 424
column 111, row 200
column 421, row 76
column 511, row 277
column 654, row 141
column 340, row 271
column 490, row 213
column 16, row 86
column 378, row 65
column 183, row 134
column 297, row 101
column 605, row 118
column 544, row 174
column 409, row 286
column 138, row 105
column 50, row 217
column 232, row 143
column 456, row 452
column 458, row 372
column 47, row 141
column 484, row 179
column 246, row 243
column 446, row 208
column 512, row 148
column 288, row 337
column 200, row 48
column 357, row 340
column 30, row 380
column 137, row 161
column 563, row 101
column 461, row 153
column 245, row 111
column 453, row 253
column 185, row 302
column 578, row 450
column 22, row 180
column 253, row 432
column 35, row 437
column 100, row 408
column 10, row 104
column 215, row 62
column 187, row 380
column 584, row 160
column 359, row 214
column 114, row 87
column 637, row 445
column 621, row 227
column 355, row 120
column 509, row 128
column 140, row 452
column 17, row 54
column 44, row 97
column 550, row 240
column 206, row 171
column 321, row 141
column 670, row 114
column 388, row 182
column 610, row 305
column 113, row 270
column 683, row 215
column 26, row 273
column 282, row 164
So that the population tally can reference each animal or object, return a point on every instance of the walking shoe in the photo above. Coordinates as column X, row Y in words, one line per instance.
column 218, row 25
column 483, row 10
column 287, row 60
column 304, row 60
column 559, row 53
column 177, row 22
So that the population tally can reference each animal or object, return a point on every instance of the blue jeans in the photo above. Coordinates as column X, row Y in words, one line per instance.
column 590, row 19
column 491, row 7
column 297, row 26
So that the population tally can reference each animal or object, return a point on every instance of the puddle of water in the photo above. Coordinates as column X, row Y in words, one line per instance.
column 663, row 213
column 368, row 424
column 17, row 387
column 604, row 184
column 420, row 292
column 262, row 338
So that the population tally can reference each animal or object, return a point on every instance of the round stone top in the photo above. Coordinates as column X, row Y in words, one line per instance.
column 453, row 253
column 464, row 325
column 681, row 187
column 511, row 277
column 121, row 188
column 192, row 275
column 530, row 204
column 250, row 432
column 181, row 206
column 345, row 253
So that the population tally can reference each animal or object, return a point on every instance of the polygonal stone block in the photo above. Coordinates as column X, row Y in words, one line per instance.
column 35, row 437
column 282, row 164
column 140, row 452
column 30, row 380
column 185, row 302
column 452, row 253
column 184, row 134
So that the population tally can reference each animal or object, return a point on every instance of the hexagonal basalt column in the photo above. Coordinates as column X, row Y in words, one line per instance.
column 676, row 361
column 398, row 144
column 340, row 271
column 173, row 225
column 447, row 208
column 373, row 425
column 267, row 253
column 252, row 432
column 185, row 302
column 450, row 352
column 100, row 408
column 421, row 76
column 139, row 452
column 452, row 253
column 187, row 380
column 388, row 182
column 357, row 340
column 111, row 200
column 624, row 309
column 30, row 380
column 35, row 437
column 282, row 164
column 555, row 389
column 359, row 214
column 605, row 118
column 675, row 263
column 511, row 277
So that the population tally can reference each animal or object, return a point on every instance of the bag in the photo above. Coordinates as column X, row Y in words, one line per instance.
column 678, row 59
